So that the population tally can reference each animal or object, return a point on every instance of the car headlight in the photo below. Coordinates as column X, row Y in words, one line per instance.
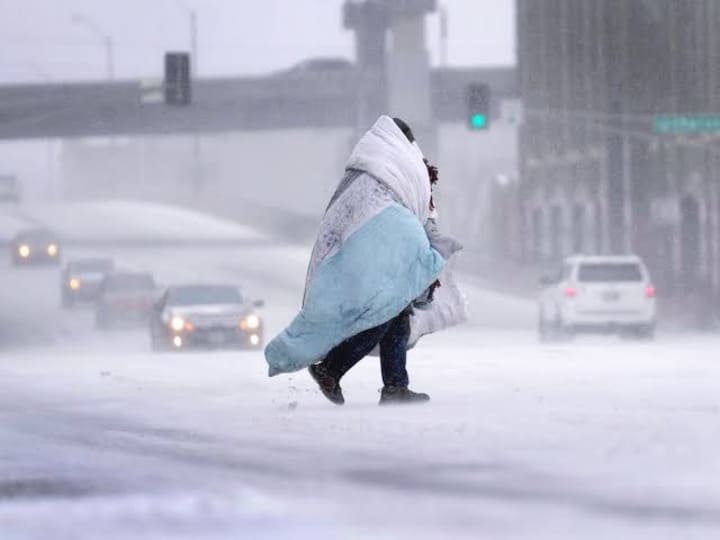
column 177, row 324
column 74, row 284
column 52, row 250
column 24, row 251
column 251, row 322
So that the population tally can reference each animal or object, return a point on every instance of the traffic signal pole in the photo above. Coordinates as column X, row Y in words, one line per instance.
column 618, row 193
column 194, row 42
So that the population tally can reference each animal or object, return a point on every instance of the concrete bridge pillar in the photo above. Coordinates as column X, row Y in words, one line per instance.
column 408, row 78
column 395, row 79
column 408, row 70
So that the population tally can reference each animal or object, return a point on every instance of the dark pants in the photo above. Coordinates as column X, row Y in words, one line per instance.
column 392, row 337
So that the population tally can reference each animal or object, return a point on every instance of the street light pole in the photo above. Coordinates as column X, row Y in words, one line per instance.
column 107, row 41
column 194, row 42
column 110, row 57
column 193, row 26
column 50, row 153
column 196, row 151
column 443, row 37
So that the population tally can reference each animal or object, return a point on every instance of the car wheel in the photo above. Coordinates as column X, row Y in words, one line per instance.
column 544, row 331
column 562, row 332
column 553, row 332
column 643, row 333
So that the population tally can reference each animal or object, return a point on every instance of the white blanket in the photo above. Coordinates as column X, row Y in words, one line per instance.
column 388, row 168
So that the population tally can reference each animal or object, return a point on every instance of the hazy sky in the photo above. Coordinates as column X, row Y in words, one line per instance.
column 39, row 40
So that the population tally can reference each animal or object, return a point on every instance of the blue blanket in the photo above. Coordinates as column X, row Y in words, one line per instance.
column 376, row 274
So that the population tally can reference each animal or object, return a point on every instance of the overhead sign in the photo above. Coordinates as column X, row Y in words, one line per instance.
column 152, row 91
column 687, row 124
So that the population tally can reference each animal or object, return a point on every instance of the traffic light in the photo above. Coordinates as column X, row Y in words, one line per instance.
column 178, row 83
column 478, row 106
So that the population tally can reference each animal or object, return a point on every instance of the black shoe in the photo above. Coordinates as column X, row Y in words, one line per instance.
column 329, row 385
column 398, row 395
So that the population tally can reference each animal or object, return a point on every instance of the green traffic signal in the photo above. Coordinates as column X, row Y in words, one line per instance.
column 478, row 107
column 687, row 124
column 478, row 121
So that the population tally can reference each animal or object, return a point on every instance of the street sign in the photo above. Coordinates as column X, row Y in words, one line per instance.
column 152, row 91
column 687, row 125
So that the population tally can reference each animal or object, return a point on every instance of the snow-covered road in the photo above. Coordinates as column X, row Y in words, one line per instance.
column 99, row 438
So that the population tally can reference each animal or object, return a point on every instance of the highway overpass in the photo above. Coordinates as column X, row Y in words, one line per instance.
column 219, row 105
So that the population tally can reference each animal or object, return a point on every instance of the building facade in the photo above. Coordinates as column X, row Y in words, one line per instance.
column 595, row 176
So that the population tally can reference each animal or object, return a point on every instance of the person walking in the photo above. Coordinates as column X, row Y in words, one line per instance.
column 372, row 261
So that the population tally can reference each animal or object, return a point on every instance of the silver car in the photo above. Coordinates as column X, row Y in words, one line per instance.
column 205, row 316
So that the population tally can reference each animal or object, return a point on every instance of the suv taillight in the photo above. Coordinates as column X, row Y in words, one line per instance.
column 650, row 291
column 570, row 291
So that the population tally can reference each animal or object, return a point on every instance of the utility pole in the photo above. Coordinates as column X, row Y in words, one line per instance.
column 50, row 153
column 197, row 179
column 110, row 57
column 444, row 33
column 194, row 42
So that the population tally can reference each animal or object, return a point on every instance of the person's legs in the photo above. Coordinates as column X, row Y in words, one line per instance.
column 393, row 351
column 393, row 340
column 393, row 359
column 342, row 358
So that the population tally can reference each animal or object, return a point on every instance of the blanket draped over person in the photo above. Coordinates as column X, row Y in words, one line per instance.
column 372, row 256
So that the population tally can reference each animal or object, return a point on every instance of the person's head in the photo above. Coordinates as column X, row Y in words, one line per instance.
column 405, row 129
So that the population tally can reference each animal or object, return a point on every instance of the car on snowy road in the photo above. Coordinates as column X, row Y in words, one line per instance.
column 208, row 316
column 35, row 247
column 81, row 280
column 125, row 298
column 598, row 294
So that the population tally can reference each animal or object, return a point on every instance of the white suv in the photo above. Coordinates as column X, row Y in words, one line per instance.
column 598, row 294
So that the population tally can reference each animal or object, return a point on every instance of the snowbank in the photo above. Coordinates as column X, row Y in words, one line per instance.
column 10, row 225
column 176, row 516
column 136, row 222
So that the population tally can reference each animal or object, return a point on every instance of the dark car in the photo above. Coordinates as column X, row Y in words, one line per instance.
column 81, row 279
column 205, row 316
column 35, row 246
column 125, row 298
